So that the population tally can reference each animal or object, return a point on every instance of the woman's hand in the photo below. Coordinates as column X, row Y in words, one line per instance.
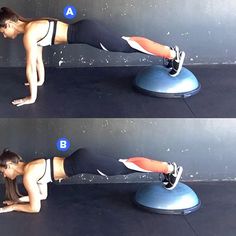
column 8, row 202
column 6, row 209
column 23, row 101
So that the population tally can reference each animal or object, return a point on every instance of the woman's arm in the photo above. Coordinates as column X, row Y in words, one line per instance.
column 34, row 205
column 43, row 189
column 30, row 43
column 39, row 67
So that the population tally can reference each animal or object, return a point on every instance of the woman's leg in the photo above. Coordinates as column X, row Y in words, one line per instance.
column 86, row 161
column 144, row 164
column 97, row 35
column 174, row 56
column 172, row 173
column 150, row 47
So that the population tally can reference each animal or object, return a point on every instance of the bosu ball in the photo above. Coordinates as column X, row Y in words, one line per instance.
column 156, row 198
column 156, row 81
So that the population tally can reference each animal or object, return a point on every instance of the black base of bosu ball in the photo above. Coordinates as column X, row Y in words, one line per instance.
column 156, row 198
column 156, row 81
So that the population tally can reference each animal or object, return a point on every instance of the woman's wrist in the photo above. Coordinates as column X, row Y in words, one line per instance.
column 7, row 208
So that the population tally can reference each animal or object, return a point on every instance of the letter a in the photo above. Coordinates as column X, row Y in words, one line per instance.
column 69, row 11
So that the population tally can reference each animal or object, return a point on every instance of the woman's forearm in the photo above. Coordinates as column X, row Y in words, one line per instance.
column 25, row 208
column 26, row 198
column 20, row 207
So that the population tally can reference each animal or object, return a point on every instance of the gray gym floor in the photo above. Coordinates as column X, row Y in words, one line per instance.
column 108, row 209
column 108, row 92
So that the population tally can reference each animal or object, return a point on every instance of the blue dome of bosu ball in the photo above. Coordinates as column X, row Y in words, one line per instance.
column 156, row 198
column 156, row 81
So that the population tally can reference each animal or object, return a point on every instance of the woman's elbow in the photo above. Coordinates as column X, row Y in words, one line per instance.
column 44, row 197
column 35, row 209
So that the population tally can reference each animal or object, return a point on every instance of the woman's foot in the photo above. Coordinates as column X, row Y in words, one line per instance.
column 171, row 180
column 176, row 64
column 168, row 63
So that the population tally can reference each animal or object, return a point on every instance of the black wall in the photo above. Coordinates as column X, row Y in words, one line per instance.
column 204, row 29
column 205, row 148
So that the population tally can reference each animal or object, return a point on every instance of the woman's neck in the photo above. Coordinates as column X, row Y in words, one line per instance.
column 20, row 168
column 20, row 26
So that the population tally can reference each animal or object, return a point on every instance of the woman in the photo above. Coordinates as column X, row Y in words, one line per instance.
column 37, row 173
column 39, row 33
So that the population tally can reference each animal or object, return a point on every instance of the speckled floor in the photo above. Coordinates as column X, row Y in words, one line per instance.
column 108, row 209
column 108, row 92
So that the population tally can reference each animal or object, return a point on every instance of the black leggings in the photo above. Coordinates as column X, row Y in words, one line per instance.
column 94, row 34
column 83, row 161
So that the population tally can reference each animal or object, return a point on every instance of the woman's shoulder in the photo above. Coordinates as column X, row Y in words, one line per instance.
column 35, row 30
column 34, row 165
column 35, row 24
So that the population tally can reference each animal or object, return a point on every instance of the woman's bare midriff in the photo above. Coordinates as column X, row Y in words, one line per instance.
column 61, row 33
column 58, row 164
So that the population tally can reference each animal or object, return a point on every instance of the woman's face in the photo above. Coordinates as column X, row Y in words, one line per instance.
column 8, row 31
column 8, row 171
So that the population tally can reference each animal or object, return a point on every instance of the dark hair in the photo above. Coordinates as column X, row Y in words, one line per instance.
column 8, row 14
column 11, row 188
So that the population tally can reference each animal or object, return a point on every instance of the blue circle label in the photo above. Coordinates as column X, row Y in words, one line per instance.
column 63, row 144
column 70, row 12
